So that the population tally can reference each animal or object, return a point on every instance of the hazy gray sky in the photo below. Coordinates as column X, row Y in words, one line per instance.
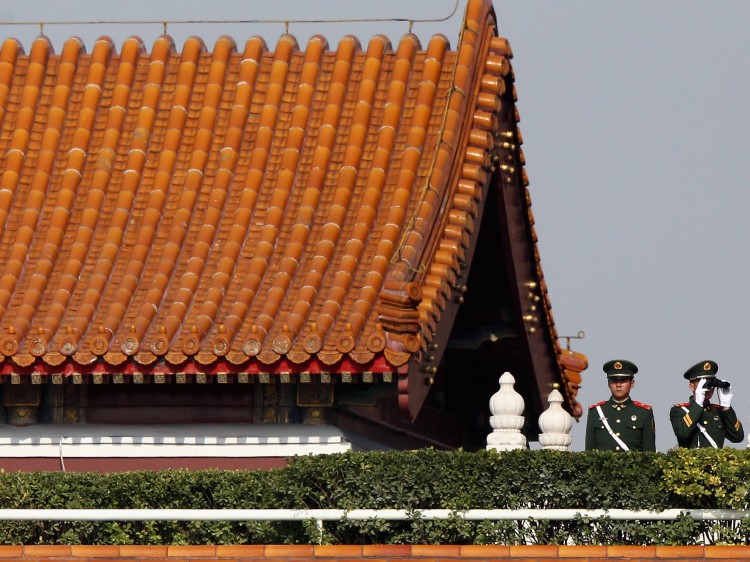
column 636, row 126
column 635, row 122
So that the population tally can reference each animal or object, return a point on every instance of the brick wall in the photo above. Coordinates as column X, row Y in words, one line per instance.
column 375, row 553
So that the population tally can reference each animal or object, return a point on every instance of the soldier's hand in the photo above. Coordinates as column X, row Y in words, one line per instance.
column 700, row 392
column 725, row 397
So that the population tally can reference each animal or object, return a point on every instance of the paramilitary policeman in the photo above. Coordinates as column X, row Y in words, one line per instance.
column 698, row 423
column 620, row 423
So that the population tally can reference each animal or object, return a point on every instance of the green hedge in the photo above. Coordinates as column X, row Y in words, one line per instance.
column 404, row 480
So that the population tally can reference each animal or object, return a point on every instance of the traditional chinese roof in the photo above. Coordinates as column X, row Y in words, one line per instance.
column 269, row 210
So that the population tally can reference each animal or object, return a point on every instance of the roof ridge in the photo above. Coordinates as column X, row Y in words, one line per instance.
column 15, row 158
column 72, row 177
column 78, row 325
column 259, row 262
column 321, row 260
column 248, row 73
column 182, row 296
column 303, row 214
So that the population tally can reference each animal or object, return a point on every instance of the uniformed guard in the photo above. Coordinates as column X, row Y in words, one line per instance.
column 620, row 423
column 698, row 423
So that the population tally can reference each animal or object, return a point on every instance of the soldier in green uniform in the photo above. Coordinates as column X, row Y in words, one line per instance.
column 620, row 423
column 698, row 423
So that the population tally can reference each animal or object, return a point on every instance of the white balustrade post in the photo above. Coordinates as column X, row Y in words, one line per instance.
column 506, row 406
column 555, row 424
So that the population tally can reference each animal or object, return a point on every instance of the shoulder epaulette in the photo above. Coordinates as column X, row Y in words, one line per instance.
column 602, row 403
column 642, row 405
column 683, row 405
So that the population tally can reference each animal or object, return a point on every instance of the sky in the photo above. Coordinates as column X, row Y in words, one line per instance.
column 636, row 129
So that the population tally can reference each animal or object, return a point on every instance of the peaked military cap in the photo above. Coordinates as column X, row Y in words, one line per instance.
column 620, row 369
column 702, row 370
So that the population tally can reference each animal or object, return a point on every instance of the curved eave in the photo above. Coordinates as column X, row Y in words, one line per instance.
column 482, row 147
column 219, row 370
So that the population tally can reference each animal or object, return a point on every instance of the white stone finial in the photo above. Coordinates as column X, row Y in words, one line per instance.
column 555, row 424
column 506, row 406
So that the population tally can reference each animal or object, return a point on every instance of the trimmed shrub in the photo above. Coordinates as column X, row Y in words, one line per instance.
column 411, row 480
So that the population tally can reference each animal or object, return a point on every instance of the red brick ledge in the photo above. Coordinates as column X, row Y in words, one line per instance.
column 373, row 553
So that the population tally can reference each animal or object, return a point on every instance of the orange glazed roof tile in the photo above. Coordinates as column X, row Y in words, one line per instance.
column 247, row 206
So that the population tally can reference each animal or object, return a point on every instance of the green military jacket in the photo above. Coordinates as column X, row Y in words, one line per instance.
column 632, row 422
column 719, row 424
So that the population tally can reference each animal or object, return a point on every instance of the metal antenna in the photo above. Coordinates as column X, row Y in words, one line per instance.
column 579, row 336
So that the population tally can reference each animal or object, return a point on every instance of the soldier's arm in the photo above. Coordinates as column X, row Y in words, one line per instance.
column 649, row 434
column 732, row 426
column 685, row 424
column 590, row 437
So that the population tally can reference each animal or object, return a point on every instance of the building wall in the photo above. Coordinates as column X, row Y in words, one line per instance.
column 377, row 553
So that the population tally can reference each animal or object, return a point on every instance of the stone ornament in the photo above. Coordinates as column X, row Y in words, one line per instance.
column 506, row 407
column 555, row 424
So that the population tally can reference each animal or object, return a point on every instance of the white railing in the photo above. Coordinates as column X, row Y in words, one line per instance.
column 321, row 515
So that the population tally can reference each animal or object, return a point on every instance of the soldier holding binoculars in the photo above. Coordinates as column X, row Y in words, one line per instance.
column 698, row 423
